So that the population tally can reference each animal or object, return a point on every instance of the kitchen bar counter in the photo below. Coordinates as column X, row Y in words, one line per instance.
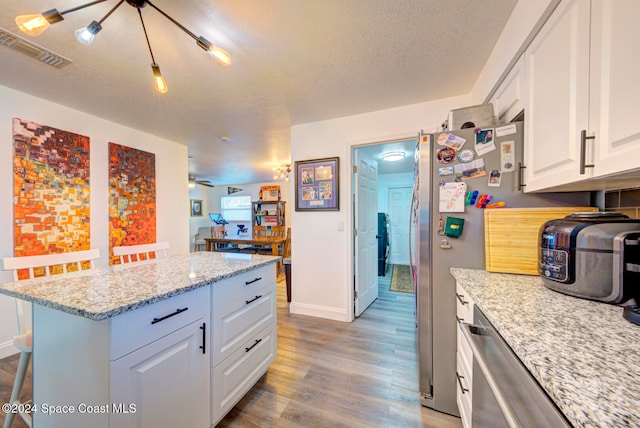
column 584, row 354
column 109, row 291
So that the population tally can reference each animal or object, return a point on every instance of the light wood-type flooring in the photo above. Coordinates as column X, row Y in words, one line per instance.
column 330, row 373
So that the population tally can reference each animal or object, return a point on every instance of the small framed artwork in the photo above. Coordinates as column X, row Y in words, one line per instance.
column 196, row 207
column 317, row 185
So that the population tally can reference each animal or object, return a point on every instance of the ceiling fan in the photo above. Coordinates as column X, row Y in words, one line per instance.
column 192, row 179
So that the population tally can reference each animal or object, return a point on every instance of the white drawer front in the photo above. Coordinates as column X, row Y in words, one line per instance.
column 135, row 329
column 232, row 378
column 233, row 324
column 464, row 397
column 464, row 305
column 240, row 286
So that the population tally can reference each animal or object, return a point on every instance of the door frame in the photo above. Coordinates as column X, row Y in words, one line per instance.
column 350, row 237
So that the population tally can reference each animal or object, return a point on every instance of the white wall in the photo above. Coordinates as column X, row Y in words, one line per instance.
column 322, row 271
column 171, row 181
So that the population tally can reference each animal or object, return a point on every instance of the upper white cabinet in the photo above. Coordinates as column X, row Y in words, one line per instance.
column 614, row 116
column 557, row 63
column 510, row 97
column 582, row 105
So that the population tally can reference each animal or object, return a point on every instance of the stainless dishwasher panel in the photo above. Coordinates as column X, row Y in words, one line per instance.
column 504, row 392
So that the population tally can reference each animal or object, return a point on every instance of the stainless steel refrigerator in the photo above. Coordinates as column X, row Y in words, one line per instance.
column 432, row 258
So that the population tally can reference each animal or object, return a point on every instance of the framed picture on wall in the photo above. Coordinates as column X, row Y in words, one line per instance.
column 196, row 207
column 317, row 185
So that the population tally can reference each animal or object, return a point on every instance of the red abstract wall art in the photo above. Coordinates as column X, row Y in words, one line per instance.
column 50, row 190
column 132, row 197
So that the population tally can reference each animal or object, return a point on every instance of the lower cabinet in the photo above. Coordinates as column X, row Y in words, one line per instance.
column 243, row 336
column 464, row 357
column 162, row 384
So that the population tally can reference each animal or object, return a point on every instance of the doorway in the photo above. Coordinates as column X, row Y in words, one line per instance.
column 391, row 199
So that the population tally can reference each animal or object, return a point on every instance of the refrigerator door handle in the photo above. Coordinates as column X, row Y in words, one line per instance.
column 468, row 331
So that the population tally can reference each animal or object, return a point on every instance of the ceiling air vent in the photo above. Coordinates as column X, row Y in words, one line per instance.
column 32, row 50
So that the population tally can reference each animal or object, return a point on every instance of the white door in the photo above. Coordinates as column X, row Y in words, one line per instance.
column 399, row 203
column 366, row 228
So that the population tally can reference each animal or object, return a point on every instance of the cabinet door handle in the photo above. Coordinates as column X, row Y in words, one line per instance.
column 521, row 169
column 203, row 327
column 252, row 281
column 459, row 320
column 253, row 300
column 461, row 298
column 583, row 151
column 460, row 382
column 178, row 311
column 252, row 346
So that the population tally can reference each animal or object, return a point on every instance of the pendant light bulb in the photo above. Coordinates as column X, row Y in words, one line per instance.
column 220, row 55
column 158, row 80
column 35, row 24
column 85, row 35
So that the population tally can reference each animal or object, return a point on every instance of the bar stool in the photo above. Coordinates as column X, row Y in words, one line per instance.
column 27, row 268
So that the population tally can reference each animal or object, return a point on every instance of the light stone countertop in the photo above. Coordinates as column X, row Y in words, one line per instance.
column 108, row 291
column 583, row 353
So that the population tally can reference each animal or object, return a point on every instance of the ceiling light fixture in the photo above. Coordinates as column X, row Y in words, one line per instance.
column 35, row 24
column 282, row 172
column 393, row 156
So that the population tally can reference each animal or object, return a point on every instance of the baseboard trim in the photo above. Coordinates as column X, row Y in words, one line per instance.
column 319, row 312
column 7, row 349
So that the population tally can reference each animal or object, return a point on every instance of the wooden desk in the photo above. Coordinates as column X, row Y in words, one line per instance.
column 274, row 242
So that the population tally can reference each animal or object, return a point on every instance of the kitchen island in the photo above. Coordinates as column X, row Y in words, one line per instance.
column 584, row 354
column 161, row 343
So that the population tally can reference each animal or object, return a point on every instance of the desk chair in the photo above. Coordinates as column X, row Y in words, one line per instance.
column 199, row 242
column 33, row 267
column 137, row 253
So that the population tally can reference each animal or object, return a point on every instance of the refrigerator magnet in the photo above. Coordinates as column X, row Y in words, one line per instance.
column 445, row 170
column 484, row 141
column 508, row 156
column 445, row 155
column 495, row 177
column 465, row 155
column 453, row 227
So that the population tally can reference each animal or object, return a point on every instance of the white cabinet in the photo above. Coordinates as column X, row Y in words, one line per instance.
column 165, row 383
column 510, row 97
column 243, row 336
column 148, row 367
column 464, row 357
column 614, row 92
column 581, row 82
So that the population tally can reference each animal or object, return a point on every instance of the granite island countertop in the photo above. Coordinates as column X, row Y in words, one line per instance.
column 584, row 354
column 105, row 292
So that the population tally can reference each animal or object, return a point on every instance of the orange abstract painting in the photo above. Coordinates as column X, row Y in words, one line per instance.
column 132, row 197
column 50, row 190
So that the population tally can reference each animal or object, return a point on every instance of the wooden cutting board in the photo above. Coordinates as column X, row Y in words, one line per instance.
column 511, row 236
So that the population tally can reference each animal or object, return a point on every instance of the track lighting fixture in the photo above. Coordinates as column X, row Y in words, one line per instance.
column 35, row 24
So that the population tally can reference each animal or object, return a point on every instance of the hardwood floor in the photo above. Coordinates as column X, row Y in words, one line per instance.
column 329, row 373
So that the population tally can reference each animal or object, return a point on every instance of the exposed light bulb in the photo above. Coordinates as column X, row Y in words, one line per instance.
column 85, row 35
column 158, row 80
column 220, row 54
column 35, row 24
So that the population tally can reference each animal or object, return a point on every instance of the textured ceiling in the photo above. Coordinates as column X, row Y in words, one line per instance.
column 294, row 61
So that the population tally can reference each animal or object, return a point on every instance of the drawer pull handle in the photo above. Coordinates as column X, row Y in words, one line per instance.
column 461, row 298
column 252, row 281
column 253, row 300
column 460, row 382
column 178, row 311
column 459, row 319
column 203, row 327
column 252, row 346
